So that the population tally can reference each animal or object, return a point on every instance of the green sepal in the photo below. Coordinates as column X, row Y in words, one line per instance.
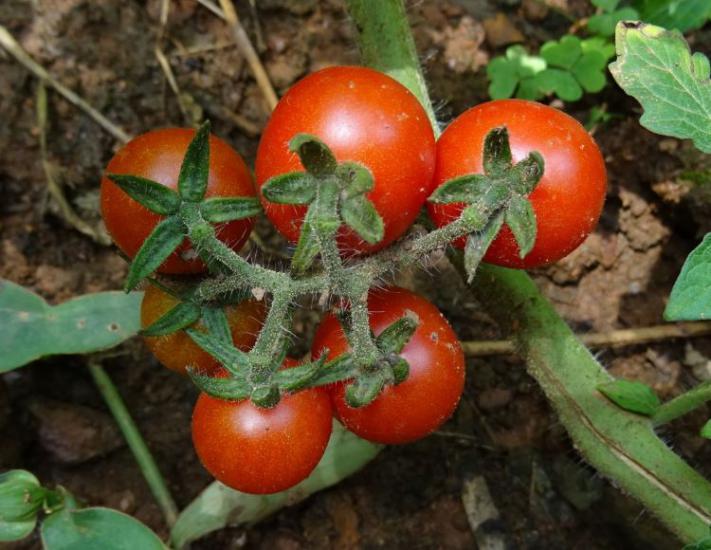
column 266, row 396
column 462, row 189
column 355, row 178
column 308, row 246
column 360, row 215
column 151, row 194
column 194, row 171
column 706, row 430
column 314, row 154
column 290, row 188
column 299, row 377
column 521, row 219
column 528, row 172
column 400, row 369
column 182, row 315
column 215, row 320
column 341, row 368
column 497, row 151
column 161, row 243
column 634, row 397
column 478, row 243
column 227, row 209
column 21, row 497
column 397, row 334
column 231, row 388
column 365, row 388
column 232, row 359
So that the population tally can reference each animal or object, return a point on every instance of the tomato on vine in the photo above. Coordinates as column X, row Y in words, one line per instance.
column 417, row 406
column 363, row 116
column 568, row 199
column 177, row 351
column 157, row 156
column 262, row 450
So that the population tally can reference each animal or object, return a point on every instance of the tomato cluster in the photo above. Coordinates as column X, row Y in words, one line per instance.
column 367, row 118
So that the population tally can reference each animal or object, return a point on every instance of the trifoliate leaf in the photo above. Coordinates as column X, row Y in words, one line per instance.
column 681, row 15
column 559, row 82
column 562, row 54
column 604, row 23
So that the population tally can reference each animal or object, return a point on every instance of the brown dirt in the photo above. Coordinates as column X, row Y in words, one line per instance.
column 409, row 497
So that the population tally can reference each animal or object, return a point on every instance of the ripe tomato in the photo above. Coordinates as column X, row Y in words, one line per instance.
column 257, row 450
column 177, row 350
column 157, row 155
column 363, row 116
column 419, row 405
column 567, row 201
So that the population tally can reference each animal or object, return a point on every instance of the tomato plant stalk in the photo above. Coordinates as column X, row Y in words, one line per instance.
column 621, row 445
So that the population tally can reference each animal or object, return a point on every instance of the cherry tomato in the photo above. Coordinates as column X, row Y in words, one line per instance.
column 363, row 116
column 567, row 201
column 178, row 351
column 158, row 155
column 426, row 399
column 258, row 450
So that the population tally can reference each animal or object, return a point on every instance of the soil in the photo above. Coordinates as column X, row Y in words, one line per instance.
column 54, row 423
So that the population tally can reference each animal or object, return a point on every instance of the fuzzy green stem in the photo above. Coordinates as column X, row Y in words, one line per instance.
column 620, row 445
column 270, row 342
column 683, row 404
column 133, row 438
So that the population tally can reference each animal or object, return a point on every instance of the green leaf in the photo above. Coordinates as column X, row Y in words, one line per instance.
column 161, row 243
column 497, row 151
column 314, row 154
column 232, row 388
column 308, row 245
column 503, row 77
column 219, row 506
column 589, row 71
column 182, row 315
column 604, row 23
column 466, row 189
column 156, row 197
column 360, row 215
column 606, row 5
column 682, row 15
column 478, row 243
column 522, row 221
column 217, row 324
column 364, row 389
column 656, row 67
column 233, row 359
column 706, row 430
column 598, row 44
column 93, row 528
column 290, row 188
column 690, row 298
column 562, row 54
column 631, row 396
column 528, row 89
column 397, row 334
column 359, row 180
column 559, row 82
column 30, row 328
column 21, row 498
column 192, row 181
column 227, row 209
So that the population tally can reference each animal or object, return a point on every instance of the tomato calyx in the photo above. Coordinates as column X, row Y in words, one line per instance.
column 498, row 196
column 335, row 194
column 187, row 211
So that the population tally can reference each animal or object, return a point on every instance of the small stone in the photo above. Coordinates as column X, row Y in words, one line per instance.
column 500, row 31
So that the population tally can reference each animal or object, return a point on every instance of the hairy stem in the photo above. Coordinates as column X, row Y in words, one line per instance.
column 622, row 446
column 136, row 443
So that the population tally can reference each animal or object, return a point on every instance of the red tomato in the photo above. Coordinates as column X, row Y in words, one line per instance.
column 157, row 155
column 426, row 399
column 178, row 351
column 363, row 116
column 567, row 201
column 257, row 450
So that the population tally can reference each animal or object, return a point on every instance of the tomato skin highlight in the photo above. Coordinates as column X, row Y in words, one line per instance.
column 158, row 155
column 262, row 451
column 427, row 398
column 363, row 116
column 177, row 351
column 569, row 198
